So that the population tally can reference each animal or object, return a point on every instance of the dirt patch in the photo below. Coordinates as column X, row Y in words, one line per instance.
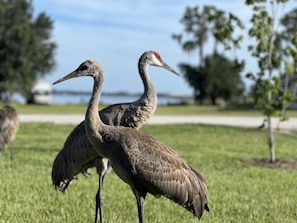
column 278, row 164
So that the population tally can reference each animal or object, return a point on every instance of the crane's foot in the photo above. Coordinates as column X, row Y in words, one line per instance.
column 86, row 173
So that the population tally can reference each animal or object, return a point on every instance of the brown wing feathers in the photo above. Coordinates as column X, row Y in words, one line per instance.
column 165, row 173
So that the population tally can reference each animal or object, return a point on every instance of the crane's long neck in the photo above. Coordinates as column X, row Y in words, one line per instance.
column 149, row 95
column 92, row 119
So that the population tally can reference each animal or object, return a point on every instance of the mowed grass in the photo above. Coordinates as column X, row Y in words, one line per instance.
column 179, row 110
column 238, row 192
column 184, row 110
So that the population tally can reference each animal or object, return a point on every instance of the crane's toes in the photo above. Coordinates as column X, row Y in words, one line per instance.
column 86, row 173
column 63, row 186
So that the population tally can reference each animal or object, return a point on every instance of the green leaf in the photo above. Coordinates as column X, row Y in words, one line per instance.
column 290, row 69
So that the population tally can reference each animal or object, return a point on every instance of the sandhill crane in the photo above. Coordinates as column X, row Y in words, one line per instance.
column 78, row 154
column 9, row 125
column 146, row 164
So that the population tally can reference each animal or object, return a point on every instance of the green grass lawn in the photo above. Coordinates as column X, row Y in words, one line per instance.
column 184, row 110
column 162, row 110
column 238, row 192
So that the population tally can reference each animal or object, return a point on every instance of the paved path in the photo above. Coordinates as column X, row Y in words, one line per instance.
column 250, row 122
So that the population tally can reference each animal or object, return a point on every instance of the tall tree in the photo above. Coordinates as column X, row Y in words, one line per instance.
column 196, row 27
column 199, row 25
column 26, row 47
column 289, row 34
column 276, row 58
column 289, row 21
column 218, row 77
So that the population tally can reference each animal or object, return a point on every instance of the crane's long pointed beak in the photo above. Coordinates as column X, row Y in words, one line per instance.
column 170, row 69
column 68, row 76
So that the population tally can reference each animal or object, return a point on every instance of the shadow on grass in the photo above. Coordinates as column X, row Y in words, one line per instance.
column 39, row 149
column 278, row 164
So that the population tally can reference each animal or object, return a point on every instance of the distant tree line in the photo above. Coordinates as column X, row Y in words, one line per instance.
column 274, row 47
column 216, row 75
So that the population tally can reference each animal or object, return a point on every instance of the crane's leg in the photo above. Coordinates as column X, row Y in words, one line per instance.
column 140, row 204
column 99, row 201
column 11, row 154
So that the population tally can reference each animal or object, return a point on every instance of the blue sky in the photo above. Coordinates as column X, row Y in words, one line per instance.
column 116, row 33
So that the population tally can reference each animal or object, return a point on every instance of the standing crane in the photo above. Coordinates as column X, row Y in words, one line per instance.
column 144, row 163
column 78, row 154
column 9, row 125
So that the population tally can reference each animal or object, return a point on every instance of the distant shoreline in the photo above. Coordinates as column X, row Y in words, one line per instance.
column 64, row 97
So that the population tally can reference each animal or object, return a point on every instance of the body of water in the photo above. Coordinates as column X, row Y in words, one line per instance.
column 112, row 99
column 109, row 98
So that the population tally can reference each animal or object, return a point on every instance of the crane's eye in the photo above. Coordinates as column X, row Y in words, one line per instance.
column 83, row 67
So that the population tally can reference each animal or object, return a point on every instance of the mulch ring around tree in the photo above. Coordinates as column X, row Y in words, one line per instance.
column 278, row 164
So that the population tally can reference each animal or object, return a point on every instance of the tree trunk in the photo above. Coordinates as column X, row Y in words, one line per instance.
column 6, row 97
column 270, row 138
column 197, row 97
column 213, row 100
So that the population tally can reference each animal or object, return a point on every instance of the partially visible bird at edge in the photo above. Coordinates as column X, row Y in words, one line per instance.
column 9, row 125
column 144, row 163
column 78, row 154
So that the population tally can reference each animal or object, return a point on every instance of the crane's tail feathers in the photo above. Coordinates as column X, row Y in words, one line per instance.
column 62, row 176
column 200, row 195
